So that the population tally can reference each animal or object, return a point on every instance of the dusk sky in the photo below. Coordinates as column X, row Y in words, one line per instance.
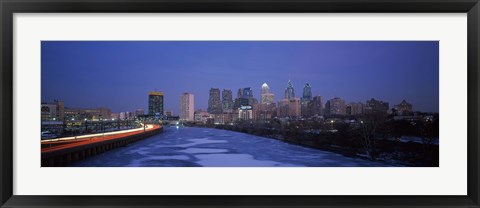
column 119, row 74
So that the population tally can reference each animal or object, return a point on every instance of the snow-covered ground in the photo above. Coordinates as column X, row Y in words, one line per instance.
column 190, row 147
column 418, row 140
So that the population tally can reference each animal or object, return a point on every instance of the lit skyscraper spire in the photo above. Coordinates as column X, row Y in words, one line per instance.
column 266, row 96
column 307, row 92
column 289, row 92
column 265, row 88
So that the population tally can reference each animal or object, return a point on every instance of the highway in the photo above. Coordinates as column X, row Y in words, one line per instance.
column 51, row 145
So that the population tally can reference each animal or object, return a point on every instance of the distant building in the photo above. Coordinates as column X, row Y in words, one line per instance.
column 266, row 96
column 169, row 113
column 130, row 115
column 335, row 106
column 247, row 92
column 223, row 118
column 355, row 109
column 283, row 108
column 227, row 101
column 155, row 103
column 246, row 104
column 123, row 116
column 54, row 111
column 115, row 116
column 139, row 112
column 376, row 106
column 245, row 113
column 307, row 92
column 305, row 108
column 403, row 108
column 77, row 114
column 214, row 102
column 187, row 107
column 202, row 116
column 294, row 107
column 267, row 111
column 240, row 93
column 316, row 106
column 267, row 107
column 289, row 91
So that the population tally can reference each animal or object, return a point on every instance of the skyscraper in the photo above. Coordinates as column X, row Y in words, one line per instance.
column 247, row 92
column 283, row 108
column 155, row 103
column 266, row 96
column 267, row 108
column 187, row 107
column 294, row 107
column 214, row 102
column 335, row 106
column 316, row 106
column 305, row 101
column 289, row 92
column 227, row 101
column 307, row 92
column 240, row 93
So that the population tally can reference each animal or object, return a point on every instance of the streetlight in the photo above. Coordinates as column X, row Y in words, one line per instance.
column 86, row 128
column 73, row 123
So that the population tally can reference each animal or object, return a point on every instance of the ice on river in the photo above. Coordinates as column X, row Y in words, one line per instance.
column 191, row 147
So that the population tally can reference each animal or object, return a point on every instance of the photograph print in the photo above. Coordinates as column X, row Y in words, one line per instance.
column 239, row 104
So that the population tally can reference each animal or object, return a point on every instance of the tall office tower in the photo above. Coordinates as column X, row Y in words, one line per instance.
column 155, row 103
column 227, row 101
column 289, row 92
column 60, row 108
column 187, row 107
column 306, row 110
column 283, row 108
column 266, row 96
column 214, row 102
column 294, row 107
column 307, row 92
column 335, row 106
column 240, row 93
column 247, row 92
column 316, row 106
column 267, row 108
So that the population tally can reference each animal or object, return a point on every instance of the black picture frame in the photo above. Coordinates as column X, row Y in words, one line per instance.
column 9, row 7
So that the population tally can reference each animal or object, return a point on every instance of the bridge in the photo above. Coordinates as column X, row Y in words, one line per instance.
column 63, row 151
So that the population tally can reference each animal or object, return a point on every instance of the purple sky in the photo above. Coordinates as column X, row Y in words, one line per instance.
column 119, row 74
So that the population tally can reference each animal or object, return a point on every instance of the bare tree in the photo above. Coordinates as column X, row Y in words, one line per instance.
column 370, row 128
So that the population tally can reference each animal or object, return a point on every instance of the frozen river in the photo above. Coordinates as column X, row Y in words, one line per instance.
column 190, row 147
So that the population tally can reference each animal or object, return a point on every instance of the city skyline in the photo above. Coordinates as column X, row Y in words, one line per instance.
column 391, row 71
